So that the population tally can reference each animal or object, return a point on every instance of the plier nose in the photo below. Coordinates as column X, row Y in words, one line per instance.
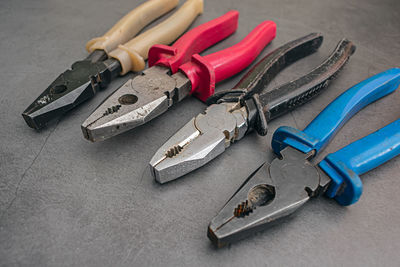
column 202, row 139
column 131, row 105
column 271, row 193
column 69, row 89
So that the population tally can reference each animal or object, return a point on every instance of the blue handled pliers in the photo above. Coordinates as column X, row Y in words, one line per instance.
column 278, row 189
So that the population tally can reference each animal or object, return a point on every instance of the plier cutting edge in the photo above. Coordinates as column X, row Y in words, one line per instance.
column 236, row 112
column 176, row 72
column 279, row 188
column 111, row 55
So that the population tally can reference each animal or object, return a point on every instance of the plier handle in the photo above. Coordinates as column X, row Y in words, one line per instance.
column 130, row 25
column 132, row 54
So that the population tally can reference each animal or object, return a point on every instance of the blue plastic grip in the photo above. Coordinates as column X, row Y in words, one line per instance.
column 324, row 127
column 361, row 156
column 336, row 114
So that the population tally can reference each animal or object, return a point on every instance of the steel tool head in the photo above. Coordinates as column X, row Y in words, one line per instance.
column 71, row 88
column 203, row 138
column 138, row 101
column 274, row 191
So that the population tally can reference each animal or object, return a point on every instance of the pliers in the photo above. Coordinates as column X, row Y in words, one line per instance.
column 175, row 73
column 111, row 55
column 278, row 189
column 234, row 113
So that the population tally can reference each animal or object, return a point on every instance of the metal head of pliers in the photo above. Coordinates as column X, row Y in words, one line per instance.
column 236, row 112
column 200, row 140
column 138, row 101
column 273, row 192
column 71, row 88
column 278, row 189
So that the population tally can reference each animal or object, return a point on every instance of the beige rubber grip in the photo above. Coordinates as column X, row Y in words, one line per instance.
column 132, row 55
column 131, row 24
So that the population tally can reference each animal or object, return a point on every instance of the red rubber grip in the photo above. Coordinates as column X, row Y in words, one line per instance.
column 193, row 42
column 205, row 72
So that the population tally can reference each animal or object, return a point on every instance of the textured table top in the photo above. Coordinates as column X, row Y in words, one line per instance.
column 67, row 202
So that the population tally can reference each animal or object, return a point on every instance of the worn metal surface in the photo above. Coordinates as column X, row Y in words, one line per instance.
column 275, row 191
column 71, row 88
column 199, row 141
column 138, row 101
column 67, row 202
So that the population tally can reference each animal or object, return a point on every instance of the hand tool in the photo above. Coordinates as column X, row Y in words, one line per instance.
column 111, row 55
column 167, row 82
column 247, row 107
column 278, row 189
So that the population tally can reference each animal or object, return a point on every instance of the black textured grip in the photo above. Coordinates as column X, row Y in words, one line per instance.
column 266, row 69
column 258, row 77
column 293, row 94
column 265, row 106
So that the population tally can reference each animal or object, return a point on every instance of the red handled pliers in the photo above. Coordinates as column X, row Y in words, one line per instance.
column 176, row 72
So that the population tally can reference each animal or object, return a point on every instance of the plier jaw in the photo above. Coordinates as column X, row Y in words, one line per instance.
column 202, row 139
column 138, row 101
column 271, row 193
column 71, row 88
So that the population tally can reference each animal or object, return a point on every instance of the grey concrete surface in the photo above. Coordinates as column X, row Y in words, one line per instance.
column 67, row 202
